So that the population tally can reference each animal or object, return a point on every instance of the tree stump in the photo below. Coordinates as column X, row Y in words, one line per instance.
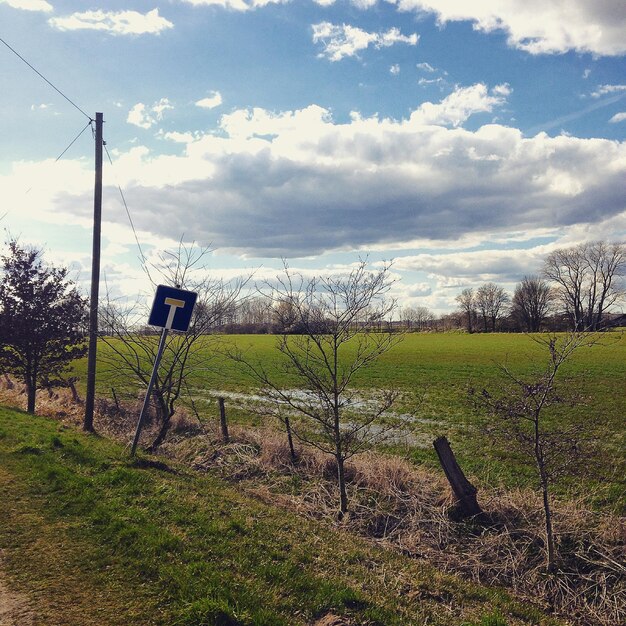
column 464, row 491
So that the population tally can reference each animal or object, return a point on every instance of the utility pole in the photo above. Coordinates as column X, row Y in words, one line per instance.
column 95, row 282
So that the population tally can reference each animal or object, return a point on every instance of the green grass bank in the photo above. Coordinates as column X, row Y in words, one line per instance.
column 95, row 538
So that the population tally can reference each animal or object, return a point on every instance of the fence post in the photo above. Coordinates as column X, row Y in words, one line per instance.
column 464, row 491
column 223, row 423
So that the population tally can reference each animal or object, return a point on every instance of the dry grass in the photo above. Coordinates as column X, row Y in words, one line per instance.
column 406, row 508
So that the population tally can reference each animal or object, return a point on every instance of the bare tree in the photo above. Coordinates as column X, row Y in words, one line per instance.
column 532, row 301
column 526, row 418
column 418, row 317
column 255, row 313
column 586, row 277
column 491, row 301
column 132, row 348
column 337, row 317
column 467, row 304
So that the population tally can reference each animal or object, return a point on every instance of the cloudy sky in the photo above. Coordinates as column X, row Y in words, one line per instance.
column 465, row 140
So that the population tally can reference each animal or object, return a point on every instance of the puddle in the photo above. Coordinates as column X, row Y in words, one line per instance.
column 396, row 429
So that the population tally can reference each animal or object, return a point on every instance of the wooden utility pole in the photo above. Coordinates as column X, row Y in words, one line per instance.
column 95, row 282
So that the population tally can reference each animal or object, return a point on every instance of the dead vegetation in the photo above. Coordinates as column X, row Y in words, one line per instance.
column 407, row 508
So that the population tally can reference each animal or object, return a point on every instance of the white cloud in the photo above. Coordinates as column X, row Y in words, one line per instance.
column 603, row 90
column 325, row 3
column 29, row 5
column 457, row 268
column 210, row 102
column 434, row 81
column 394, row 69
column 146, row 117
column 460, row 105
column 179, row 137
column 618, row 117
column 237, row 5
column 537, row 26
column 297, row 183
column 116, row 23
column 345, row 41
column 426, row 67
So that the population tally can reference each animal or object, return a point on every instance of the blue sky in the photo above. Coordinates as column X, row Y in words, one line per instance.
column 464, row 140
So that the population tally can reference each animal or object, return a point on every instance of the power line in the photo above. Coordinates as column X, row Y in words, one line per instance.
column 44, row 78
column 89, row 123
column 130, row 219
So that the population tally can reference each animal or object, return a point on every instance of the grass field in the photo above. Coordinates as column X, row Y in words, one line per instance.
column 435, row 371
column 93, row 538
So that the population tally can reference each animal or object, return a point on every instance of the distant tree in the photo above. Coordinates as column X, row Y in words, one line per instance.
column 491, row 301
column 337, row 317
column 467, row 304
column 285, row 318
column 531, row 303
column 419, row 317
column 450, row 321
column 256, row 313
column 42, row 320
column 587, row 280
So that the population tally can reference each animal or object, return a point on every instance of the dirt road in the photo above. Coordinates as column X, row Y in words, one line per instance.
column 15, row 608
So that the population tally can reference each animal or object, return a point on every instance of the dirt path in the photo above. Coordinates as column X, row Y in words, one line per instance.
column 15, row 608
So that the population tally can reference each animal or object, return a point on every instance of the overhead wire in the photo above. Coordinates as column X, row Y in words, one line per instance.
column 144, row 260
column 90, row 123
column 14, row 51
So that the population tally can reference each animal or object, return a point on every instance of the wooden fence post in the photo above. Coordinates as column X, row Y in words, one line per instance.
column 464, row 491
column 223, row 423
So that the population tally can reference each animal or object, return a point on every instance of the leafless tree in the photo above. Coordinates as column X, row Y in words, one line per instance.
column 132, row 348
column 336, row 317
column 587, row 279
column 526, row 417
column 532, row 301
column 418, row 317
column 491, row 301
column 467, row 304
column 255, row 312
column 450, row 321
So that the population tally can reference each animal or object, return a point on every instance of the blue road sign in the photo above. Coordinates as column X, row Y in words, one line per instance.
column 172, row 308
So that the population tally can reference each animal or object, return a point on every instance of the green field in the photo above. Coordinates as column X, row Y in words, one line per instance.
column 435, row 371
column 94, row 538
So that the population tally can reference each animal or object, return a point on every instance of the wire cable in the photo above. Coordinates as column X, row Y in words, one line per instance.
column 89, row 123
column 74, row 140
column 44, row 78
column 144, row 260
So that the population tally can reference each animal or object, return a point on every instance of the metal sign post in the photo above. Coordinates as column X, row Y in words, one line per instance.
column 171, row 310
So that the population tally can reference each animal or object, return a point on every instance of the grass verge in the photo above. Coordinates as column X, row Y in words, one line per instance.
column 95, row 538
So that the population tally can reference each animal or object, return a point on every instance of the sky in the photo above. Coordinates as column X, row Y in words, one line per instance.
column 463, row 140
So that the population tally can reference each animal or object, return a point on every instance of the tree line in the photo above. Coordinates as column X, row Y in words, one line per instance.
column 575, row 291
